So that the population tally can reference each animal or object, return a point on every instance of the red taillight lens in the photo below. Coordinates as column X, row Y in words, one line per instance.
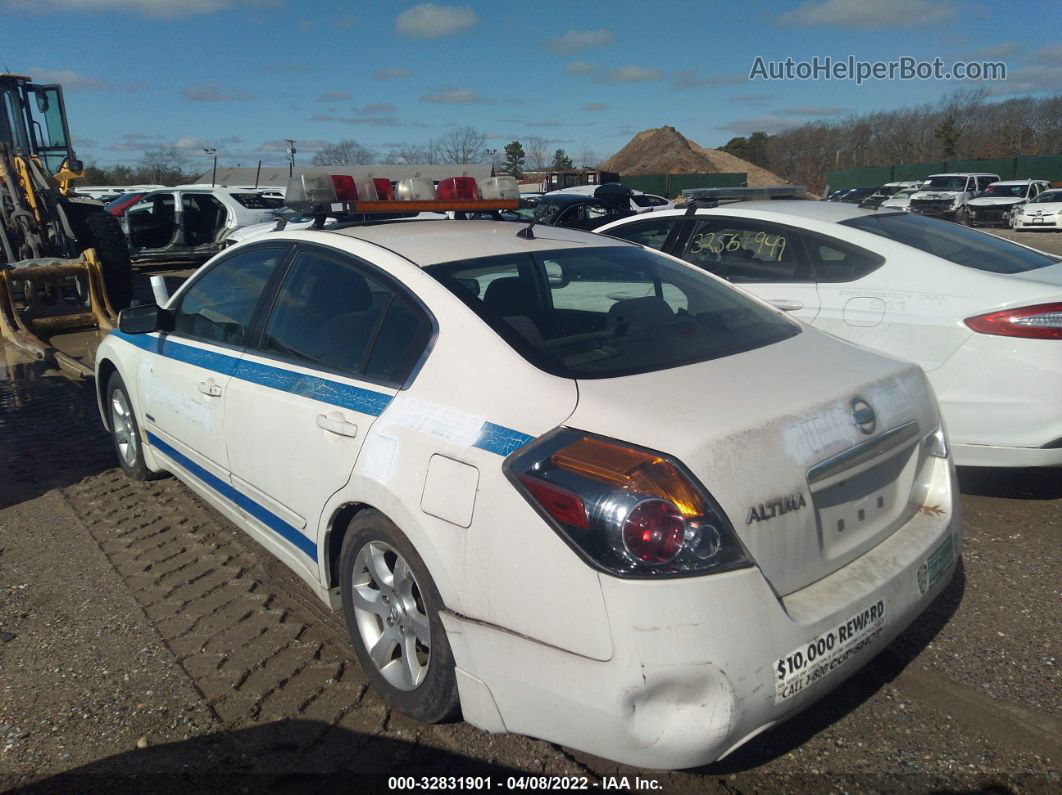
column 458, row 189
column 559, row 503
column 1041, row 322
column 629, row 511
column 346, row 189
column 654, row 532
column 384, row 191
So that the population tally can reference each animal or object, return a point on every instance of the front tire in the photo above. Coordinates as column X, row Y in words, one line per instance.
column 392, row 608
column 125, row 432
column 96, row 228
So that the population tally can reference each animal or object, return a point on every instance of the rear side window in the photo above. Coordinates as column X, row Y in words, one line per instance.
column 747, row 251
column 603, row 312
column 652, row 233
column 334, row 314
column 256, row 201
column 953, row 242
column 220, row 303
column 834, row 261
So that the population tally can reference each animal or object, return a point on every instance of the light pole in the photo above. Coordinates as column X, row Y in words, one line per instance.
column 211, row 150
column 291, row 156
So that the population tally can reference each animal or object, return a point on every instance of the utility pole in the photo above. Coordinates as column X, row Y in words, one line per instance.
column 211, row 150
column 291, row 156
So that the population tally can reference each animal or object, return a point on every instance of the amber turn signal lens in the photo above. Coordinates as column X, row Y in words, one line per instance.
column 631, row 469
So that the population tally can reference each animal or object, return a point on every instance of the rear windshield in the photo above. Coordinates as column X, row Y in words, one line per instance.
column 953, row 242
column 256, row 201
column 610, row 311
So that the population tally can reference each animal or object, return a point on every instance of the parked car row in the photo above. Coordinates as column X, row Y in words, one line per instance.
column 975, row 199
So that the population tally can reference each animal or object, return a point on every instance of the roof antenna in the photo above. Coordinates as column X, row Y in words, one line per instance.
column 526, row 232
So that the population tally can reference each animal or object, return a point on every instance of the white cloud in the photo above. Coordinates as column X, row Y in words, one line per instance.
column 576, row 40
column 69, row 79
column 214, row 92
column 376, row 109
column 335, row 96
column 429, row 21
column 391, row 73
column 770, row 123
column 580, row 68
column 632, row 74
column 818, row 111
column 454, row 96
column 594, row 106
column 687, row 79
column 867, row 15
column 165, row 9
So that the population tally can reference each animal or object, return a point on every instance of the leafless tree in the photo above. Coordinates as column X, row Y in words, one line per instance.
column 538, row 154
column 164, row 165
column 347, row 152
column 588, row 158
column 462, row 145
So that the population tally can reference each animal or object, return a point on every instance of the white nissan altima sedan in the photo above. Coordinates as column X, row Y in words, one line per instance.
column 573, row 487
column 981, row 315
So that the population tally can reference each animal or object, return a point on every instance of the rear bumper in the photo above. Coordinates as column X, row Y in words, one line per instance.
column 986, row 455
column 696, row 667
column 1001, row 403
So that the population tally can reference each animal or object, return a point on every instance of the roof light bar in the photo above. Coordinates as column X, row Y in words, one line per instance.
column 328, row 194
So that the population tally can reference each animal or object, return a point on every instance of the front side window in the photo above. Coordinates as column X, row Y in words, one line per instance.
column 602, row 312
column 219, row 305
column 1048, row 196
column 325, row 314
column 747, row 251
column 335, row 314
column 953, row 242
column 652, row 233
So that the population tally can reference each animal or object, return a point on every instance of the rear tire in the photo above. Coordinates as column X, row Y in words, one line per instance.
column 392, row 608
column 96, row 228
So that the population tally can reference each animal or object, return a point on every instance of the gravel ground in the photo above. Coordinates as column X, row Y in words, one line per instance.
column 145, row 642
column 1051, row 242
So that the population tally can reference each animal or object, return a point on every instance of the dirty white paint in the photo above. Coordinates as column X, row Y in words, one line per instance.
column 378, row 457
column 185, row 407
column 442, row 422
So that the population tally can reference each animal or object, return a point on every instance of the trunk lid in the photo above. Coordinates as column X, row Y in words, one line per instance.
column 772, row 434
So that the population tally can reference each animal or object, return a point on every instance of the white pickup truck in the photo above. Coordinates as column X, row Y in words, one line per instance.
column 946, row 195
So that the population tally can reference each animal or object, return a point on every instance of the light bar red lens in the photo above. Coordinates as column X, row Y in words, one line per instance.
column 384, row 191
column 346, row 190
column 559, row 503
column 1041, row 322
column 458, row 189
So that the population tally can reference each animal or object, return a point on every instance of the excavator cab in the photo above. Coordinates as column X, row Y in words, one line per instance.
column 64, row 262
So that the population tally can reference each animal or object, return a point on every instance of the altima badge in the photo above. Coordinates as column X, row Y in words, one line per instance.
column 769, row 510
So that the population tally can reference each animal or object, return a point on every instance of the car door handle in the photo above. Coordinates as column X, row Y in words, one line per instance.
column 786, row 304
column 337, row 425
column 210, row 388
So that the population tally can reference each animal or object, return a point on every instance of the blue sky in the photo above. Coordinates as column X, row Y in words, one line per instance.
column 242, row 75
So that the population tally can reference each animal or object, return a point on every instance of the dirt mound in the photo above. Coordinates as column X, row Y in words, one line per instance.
column 665, row 150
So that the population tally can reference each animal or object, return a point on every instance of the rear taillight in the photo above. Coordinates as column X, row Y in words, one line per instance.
column 1042, row 322
column 628, row 511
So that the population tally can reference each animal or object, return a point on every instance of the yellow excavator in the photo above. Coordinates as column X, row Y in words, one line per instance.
column 64, row 261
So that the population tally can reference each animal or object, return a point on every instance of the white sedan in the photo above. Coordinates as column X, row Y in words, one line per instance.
column 981, row 315
column 1041, row 214
column 577, row 489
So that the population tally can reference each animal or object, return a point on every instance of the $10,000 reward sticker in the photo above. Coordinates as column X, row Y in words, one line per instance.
column 811, row 661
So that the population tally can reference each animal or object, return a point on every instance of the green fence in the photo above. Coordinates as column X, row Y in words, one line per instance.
column 672, row 185
column 1047, row 167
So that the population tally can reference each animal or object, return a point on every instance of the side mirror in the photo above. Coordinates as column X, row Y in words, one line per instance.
column 142, row 319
